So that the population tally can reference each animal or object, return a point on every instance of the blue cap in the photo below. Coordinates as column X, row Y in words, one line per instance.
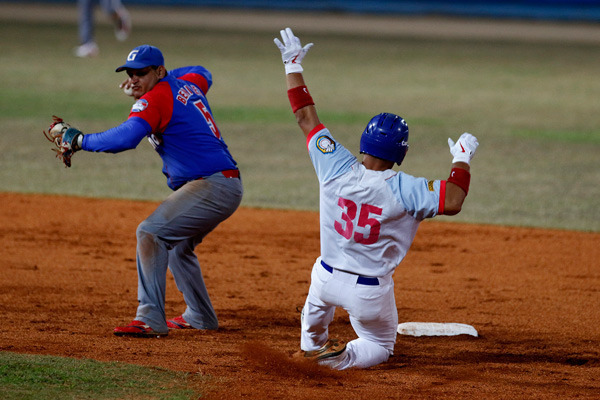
column 143, row 56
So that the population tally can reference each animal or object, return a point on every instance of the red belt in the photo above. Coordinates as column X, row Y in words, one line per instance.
column 231, row 173
column 228, row 173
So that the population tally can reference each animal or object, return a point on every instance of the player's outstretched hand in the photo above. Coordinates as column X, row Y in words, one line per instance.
column 292, row 51
column 64, row 138
column 464, row 148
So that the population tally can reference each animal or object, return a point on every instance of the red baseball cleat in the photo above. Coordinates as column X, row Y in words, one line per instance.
column 138, row 329
column 179, row 323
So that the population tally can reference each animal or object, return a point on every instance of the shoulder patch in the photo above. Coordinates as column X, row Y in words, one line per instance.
column 430, row 186
column 325, row 144
column 139, row 105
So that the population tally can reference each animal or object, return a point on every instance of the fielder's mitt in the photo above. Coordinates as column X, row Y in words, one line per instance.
column 64, row 138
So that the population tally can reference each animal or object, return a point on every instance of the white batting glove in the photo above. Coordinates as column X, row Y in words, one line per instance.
column 464, row 149
column 292, row 51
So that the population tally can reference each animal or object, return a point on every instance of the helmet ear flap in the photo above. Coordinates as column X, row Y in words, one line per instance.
column 403, row 144
column 402, row 155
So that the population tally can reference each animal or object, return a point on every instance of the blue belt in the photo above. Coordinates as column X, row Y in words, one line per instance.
column 362, row 280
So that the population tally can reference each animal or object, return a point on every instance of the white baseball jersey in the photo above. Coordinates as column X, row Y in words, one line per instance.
column 368, row 219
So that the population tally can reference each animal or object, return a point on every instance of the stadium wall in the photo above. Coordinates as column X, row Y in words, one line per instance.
column 572, row 10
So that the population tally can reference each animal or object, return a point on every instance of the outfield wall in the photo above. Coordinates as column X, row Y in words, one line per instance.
column 572, row 10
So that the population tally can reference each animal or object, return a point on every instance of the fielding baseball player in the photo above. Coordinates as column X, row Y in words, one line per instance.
column 369, row 215
column 172, row 112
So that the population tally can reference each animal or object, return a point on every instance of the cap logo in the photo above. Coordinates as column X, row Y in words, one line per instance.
column 132, row 55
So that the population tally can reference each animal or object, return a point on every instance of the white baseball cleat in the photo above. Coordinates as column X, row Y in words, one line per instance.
column 334, row 351
column 89, row 49
column 123, row 25
column 335, row 362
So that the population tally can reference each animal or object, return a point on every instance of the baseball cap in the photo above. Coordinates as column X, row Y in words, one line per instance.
column 143, row 56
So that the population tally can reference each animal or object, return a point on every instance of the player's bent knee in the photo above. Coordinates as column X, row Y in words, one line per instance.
column 142, row 231
column 145, row 234
column 367, row 353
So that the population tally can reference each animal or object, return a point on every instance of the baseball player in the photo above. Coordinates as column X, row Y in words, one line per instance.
column 172, row 112
column 369, row 215
column 117, row 13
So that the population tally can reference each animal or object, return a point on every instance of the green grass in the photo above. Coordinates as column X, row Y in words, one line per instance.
column 32, row 377
column 533, row 106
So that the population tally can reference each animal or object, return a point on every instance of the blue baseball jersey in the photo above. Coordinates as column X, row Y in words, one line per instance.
column 177, row 120
column 368, row 219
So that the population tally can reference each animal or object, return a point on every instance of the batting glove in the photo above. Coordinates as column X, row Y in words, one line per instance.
column 464, row 149
column 292, row 51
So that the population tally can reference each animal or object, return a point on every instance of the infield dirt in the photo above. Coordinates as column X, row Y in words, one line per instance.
column 68, row 278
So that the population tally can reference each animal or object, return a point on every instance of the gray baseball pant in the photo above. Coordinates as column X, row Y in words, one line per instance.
column 167, row 238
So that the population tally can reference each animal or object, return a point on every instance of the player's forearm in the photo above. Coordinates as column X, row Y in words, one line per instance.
column 120, row 138
column 457, row 184
column 456, row 193
column 301, row 103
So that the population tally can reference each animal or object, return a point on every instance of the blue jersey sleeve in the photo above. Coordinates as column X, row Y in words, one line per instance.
column 123, row 137
column 419, row 196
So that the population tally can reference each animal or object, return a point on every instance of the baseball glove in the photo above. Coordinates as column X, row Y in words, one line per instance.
column 64, row 137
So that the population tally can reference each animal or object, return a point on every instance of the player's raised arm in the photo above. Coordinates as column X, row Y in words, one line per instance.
column 301, row 101
column 457, row 184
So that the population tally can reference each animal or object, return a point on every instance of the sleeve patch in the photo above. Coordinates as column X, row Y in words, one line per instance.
column 430, row 186
column 139, row 105
column 325, row 144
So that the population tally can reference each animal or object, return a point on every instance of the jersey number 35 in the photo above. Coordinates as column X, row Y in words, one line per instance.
column 349, row 212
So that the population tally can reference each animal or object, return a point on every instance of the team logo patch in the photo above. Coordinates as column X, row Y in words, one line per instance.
column 139, row 105
column 325, row 144
column 430, row 186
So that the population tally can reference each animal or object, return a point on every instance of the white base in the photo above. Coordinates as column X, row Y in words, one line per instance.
column 435, row 329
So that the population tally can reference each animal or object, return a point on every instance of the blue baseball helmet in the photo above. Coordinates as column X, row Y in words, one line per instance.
column 385, row 137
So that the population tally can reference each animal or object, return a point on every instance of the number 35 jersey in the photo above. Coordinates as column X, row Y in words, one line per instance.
column 368, row 219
